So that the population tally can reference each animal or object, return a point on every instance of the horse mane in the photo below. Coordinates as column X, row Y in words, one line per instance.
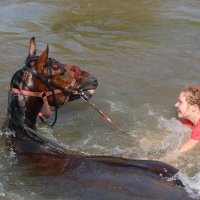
column 17, row 106
column 17, row 78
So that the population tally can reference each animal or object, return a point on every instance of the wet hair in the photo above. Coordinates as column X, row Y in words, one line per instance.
column 192, row 95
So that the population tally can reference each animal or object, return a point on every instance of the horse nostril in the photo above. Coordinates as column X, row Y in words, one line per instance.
column 94, row 80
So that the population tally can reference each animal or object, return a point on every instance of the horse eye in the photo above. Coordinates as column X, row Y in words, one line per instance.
column 63, row 71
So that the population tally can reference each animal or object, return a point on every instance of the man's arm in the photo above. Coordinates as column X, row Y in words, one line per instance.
column 188, row 145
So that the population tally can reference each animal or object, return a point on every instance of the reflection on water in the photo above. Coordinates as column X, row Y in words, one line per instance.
column 142, row 52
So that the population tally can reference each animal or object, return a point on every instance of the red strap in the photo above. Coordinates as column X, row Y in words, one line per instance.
column 42, row 115
column 42, row 95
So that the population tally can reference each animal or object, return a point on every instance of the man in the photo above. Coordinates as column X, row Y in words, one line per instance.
column 188, row 107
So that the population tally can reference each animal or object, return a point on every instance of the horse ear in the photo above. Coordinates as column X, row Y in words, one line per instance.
column 32, row 47
column 42, row 61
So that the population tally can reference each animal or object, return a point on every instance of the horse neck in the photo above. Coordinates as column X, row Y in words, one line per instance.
column 23, row 111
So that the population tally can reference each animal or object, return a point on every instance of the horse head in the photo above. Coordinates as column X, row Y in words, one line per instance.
column 49, row 74
column 45, row 81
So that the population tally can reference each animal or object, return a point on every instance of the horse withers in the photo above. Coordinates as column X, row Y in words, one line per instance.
column 44, row 81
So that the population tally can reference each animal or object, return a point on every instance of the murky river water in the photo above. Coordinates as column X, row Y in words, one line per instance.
column 143, row 52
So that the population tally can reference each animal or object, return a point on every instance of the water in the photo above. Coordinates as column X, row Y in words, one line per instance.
column 142, row 52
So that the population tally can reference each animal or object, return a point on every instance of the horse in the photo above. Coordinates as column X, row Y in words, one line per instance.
column 44, row 81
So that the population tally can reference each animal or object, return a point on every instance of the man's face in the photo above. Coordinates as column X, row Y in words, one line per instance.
column 183, row 107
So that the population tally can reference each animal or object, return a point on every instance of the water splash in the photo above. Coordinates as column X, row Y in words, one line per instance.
column 192, row 184
column 2, row 190
column 176, row 133
column 117, row 106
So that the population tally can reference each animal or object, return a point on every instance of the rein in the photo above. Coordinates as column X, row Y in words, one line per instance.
column 85, row 98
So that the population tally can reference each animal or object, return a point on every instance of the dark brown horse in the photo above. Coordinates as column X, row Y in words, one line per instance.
column 43, row 81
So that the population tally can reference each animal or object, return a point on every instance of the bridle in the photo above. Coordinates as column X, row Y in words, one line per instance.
column 57, row 89
column 53, row 89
